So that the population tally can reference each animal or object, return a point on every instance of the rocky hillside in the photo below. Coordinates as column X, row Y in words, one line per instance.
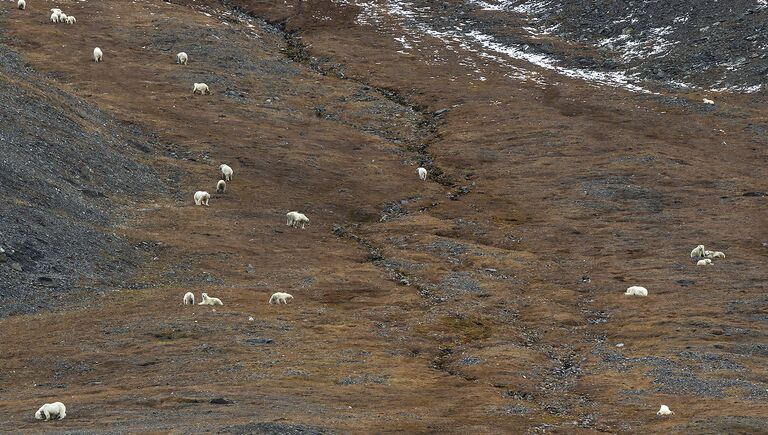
column 709, row 44
column 68, row 171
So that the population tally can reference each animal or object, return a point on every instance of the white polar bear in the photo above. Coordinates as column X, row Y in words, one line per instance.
column 422, row 173
column 226, row 172
column 280, row 297
column 698, row 252
column 295, row 218
column 664, row 410
column 200, row 87
column 97, row 54
column 71, row 19
column 704, row 262
column 181, row 58
column 210, row 301
column 189, row 298
column 636, row 290
column 202, row 197
column 21, row 4
column 221, row 186
column 51, row 410
column 714, row 254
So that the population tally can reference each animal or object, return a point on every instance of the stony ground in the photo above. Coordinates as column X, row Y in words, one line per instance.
column 65, row 167
column 488, row 299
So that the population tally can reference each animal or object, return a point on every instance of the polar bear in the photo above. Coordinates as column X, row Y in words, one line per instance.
column 202, row 197
column 202, row 88
column 295, row 218
column 636, row 290
column 189, row 298
column 664, row 410
column 422, row 173
column 207, row 300
column 280, row 297
column 226, row 172
column 51, row 410
column 698, row 252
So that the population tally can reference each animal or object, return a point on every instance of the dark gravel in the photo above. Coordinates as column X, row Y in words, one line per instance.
column 708, row 43
column 275, row 429
column 63, row 165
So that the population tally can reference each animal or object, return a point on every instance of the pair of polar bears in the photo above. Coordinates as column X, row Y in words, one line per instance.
column 189, row 299
column 182, row 58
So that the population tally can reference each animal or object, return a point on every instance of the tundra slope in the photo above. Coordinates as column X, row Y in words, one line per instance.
column 498, row 281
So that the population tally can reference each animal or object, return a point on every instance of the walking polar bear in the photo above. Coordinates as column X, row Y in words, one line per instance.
column 51, row 410
column 202, row 197
column 226, row 172
column 279, row 297
column 295, row 218
column 202, row 88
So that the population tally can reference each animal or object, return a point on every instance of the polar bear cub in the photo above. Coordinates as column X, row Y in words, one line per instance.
column 202, row 197
column 704, row 262
column 207, row 300
column 189, row 298
column 51, row 410
column 97, row 54
column 279, row 297
column 636, row 290
column 181, row 58
column 664, row 410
